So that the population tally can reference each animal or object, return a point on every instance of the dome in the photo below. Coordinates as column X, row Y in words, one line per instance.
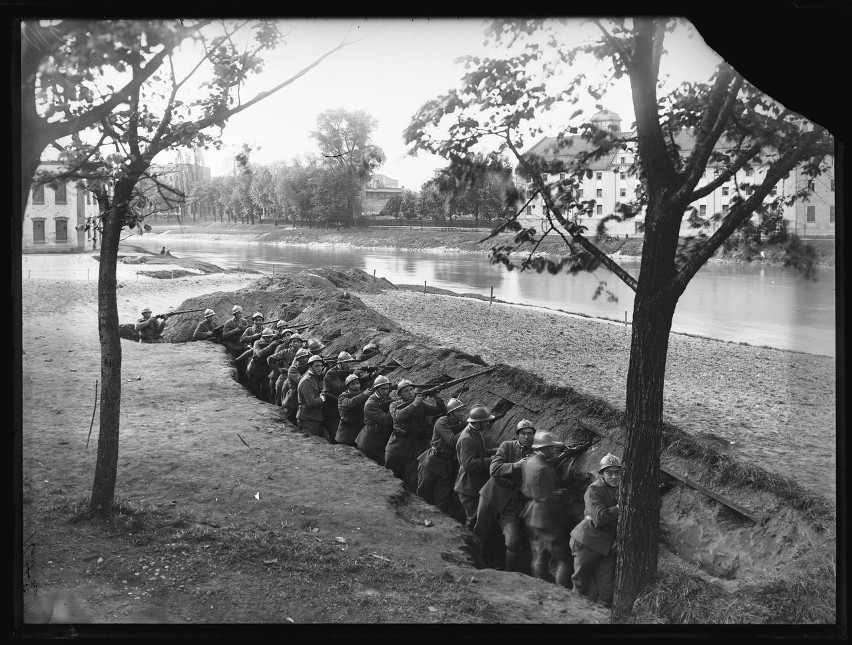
column 607, row 120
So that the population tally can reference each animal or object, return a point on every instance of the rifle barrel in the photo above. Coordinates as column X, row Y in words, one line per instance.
column 442, row 386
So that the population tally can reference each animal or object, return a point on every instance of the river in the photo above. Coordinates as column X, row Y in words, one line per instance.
column 754, row 304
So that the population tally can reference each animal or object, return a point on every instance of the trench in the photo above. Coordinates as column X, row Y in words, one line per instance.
column 699, row 529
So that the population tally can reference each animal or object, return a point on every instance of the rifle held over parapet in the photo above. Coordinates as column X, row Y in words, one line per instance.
column 175, row 313
column 429, row 391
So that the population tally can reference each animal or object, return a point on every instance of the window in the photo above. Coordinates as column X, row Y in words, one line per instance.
column 599, row 192
column 622, row 192
column 579, row 193
column 599, row 209
column 725, row 191
column 529, row 210
column 831, row 214
column 38, row 194
column 702, row 209
column 623, row 160
column 38, row 231
column 812, row 213
column 599, row 175
column 622, row 175
column 749, row 172
column 60, row 194
column 725, row 208
column 749, row 190
column 561, row 176
column 62, row 230
column 810, row 185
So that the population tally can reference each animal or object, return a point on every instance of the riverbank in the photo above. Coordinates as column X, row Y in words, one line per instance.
column 441, row 241
column 228, row 517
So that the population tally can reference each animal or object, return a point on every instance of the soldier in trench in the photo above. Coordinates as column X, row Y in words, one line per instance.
column 474, row 459
column 205, row 330
column 378, row 423
column 283, row 358
column 438, row 466
column 231, row 332
column 290, row 397
column 350, row 409
column 311, row 398
column 411, row 431
column 333, row 384
column 150, row 328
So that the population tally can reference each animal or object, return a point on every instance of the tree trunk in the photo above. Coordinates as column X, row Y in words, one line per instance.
column 106, row 467
column 638, row 497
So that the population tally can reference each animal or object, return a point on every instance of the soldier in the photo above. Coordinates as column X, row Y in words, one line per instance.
column 378, row 423
column 257, row 371
column 548, row 535
column 253, row 333
column 315, row 346
column 501, row 498
column 204, row 330
column 438, row 466
column 593, row 539
column 150, row 328
column 474, row 461
column 290, row 398
column 283, row 357
column 332, row 385
column 310, row 397
column 411, row 431
column 276, row 366
column 232, row 330
column 350, row 407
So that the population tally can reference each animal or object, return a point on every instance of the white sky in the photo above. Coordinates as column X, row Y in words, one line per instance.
column 397, row 66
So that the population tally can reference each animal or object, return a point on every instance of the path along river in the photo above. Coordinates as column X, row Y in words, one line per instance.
column 754, row 304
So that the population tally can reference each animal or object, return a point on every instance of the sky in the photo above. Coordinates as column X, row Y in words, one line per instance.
column 395, row 66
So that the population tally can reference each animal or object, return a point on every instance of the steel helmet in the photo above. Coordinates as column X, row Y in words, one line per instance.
column 268, row 333
column 209, row 312
column 302, row 352
column 257, row 314
column 369, row 347
column 349, row 379
column 542, row 439
column 315, row 345
column 524, row 423
column 403, row 383
column 146, row 310
column 453, row 404
column 381, row 379
column 281, row 324
column 609, row 460
column 295, row 337
column 237, row 309
column 314, row 359
column 480, row 413
column 344, row 357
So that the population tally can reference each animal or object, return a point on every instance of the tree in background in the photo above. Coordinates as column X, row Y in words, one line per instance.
column 343, row 138
column 732, row 124
column 147, row 119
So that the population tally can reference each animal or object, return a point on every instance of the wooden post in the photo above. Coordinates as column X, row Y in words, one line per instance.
column 424, row 286
column 491, row 302
column 374, row 273
column 625, row 316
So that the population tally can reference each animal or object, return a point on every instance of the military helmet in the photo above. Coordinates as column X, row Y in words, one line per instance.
column 453, row 404
column 369, row 347
column 609, row 460
column 268, row 333
column 301, row 353
column 542, row 439
column 281, row 324
column 344, row 357
column 257, row 314
column 315, row 345
column 296, row 336
column 480, row 413
column 403, row 383
column 146, row 310
column 349, row 379
column 237, row 309
column 381, row 379
column 315, row 358
column 209, row 312
column 524, row 423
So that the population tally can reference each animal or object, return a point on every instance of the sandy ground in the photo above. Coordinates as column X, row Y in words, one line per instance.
column 193, row 441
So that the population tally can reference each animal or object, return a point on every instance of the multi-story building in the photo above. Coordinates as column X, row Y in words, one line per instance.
column 55, row 218
column 377, row 192
column 184, row 175
column 611, row 183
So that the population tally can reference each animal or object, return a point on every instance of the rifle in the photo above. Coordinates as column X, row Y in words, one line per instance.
column 376, row 368
column 175, row 313
column 429, row 391
column 246, row 354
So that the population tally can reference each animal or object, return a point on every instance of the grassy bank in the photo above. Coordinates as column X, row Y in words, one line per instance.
column 404, row 238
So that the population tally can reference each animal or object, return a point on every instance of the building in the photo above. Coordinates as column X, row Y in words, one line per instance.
column 55, row 218
column 611, row 183
column 376, row 193
column 183, row 175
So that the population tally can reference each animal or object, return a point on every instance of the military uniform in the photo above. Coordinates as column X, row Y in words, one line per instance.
column 474, row 463
column 438, row 466
column 204, row 327
column 231, row 333
column 378, row 425
column 593, row 542
column 150, row 329
column 309, row 414
column 410, row 436
column 350, row 408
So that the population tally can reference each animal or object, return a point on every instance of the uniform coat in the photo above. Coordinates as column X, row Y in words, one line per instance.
column 231, row 332
column 378, row 425
column 150, row 329
column 438, row 465
column 203, row 328
column 410, row 436
column 593, row 542
column 350, row 408
column 251, row 335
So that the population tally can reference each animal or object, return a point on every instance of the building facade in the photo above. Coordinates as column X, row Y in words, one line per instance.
column 376, row 193
column 611, row 182
column 183, row 175
column 55, row 218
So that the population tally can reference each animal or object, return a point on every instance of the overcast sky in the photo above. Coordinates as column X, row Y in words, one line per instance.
column 395, row 67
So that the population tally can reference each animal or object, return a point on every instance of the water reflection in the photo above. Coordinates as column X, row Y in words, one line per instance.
column 753, row 304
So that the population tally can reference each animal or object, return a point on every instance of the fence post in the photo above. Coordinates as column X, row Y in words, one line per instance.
column 625, row 316
column 424, row 286
column 491, row 302
column 374, row 273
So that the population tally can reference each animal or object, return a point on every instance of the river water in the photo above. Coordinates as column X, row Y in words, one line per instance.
column 758, row 305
